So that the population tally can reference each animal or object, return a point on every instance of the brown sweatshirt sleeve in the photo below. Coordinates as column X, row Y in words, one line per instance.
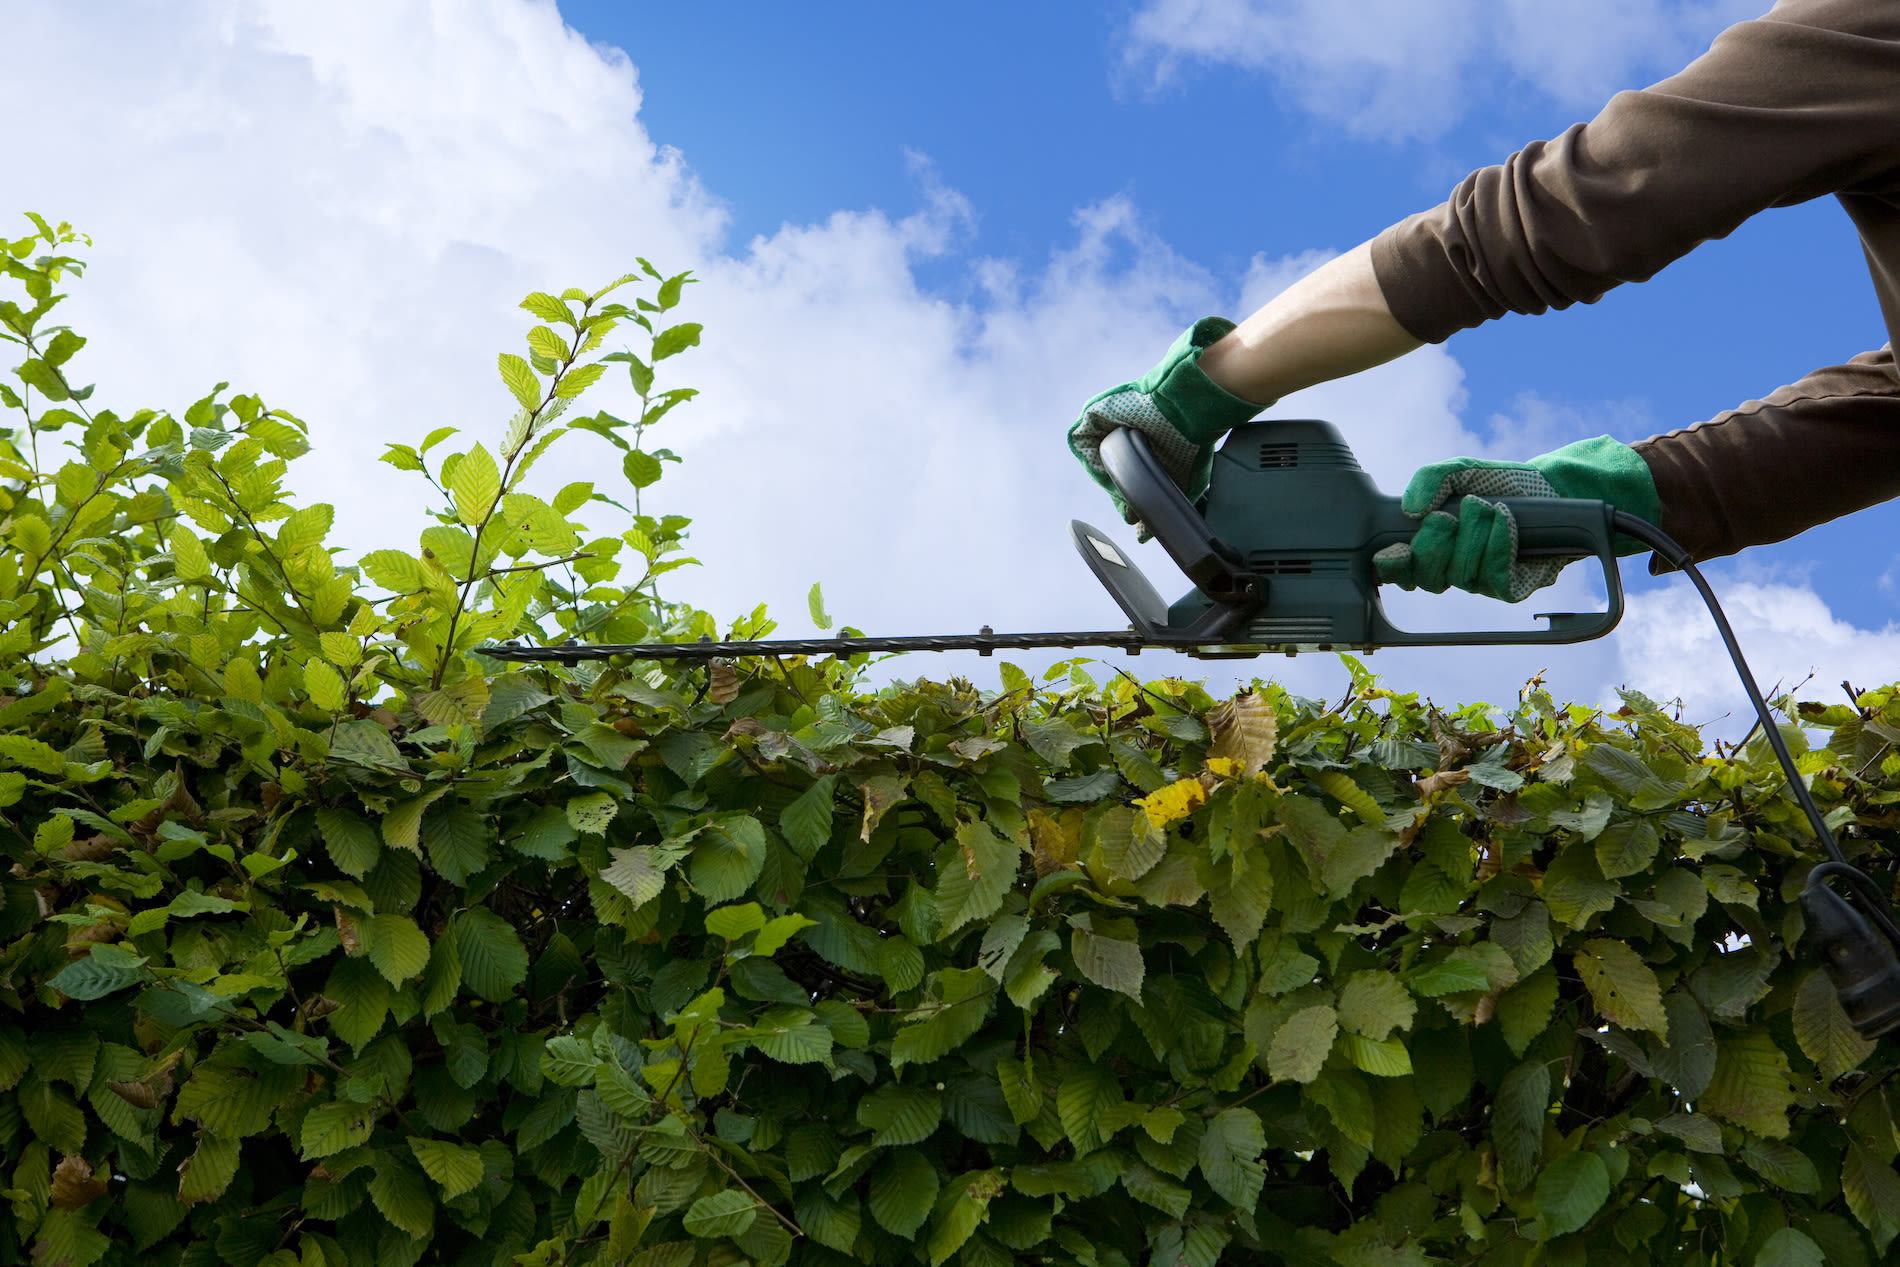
column 1762, row 472
column 1802, row 102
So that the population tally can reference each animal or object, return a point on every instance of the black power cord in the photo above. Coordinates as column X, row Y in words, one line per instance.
column 1862, row 958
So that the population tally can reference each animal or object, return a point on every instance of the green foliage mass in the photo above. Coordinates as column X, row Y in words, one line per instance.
column 328, row 941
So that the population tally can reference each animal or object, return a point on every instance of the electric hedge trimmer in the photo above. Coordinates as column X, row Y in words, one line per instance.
column 1280, row 553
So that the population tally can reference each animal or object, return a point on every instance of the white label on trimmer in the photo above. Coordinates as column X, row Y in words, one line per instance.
column 1108, row 552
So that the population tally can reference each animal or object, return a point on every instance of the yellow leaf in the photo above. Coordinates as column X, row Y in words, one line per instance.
column 1174, row 802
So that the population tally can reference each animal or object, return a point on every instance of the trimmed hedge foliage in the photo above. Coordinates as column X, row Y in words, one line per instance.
column 327, row 941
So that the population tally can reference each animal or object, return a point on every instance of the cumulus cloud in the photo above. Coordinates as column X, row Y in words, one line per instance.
column 1410, row 69
column 340, row 209
column 1669, row 648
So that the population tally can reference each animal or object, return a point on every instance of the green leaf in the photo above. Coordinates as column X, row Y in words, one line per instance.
column 1086, row 1094
column 398, row 948
column 475, row 486
column 1301, row 1044
column 578, row 380
column 402, row 1196
column 806, row 822
column 792, row 1035
column 1456, row 974
column 1823, row 1031
column 900, row 1114
column 324, row 686
column 1382, row 1058
column 328, row 1129
column 548, row 308
column 208, row 1172
column 494, row 961
column 286, row 1047
column 456, row 1167
column 973, row 873
column 830, row 1223
column 1623, row 986
column 1130, row 843
column 1524, row 1010
column 1239, row 892
column 675, row 339
column 777, row 931
column 1110, row 963
column 961, row 1207
column 815, row 603
column 1517, row 1123
column 1230, row 1157
column 1571, row 1190
column 733, row 922
column 1782, row 1165
column 1753, row 1086
column 189, row 560
column 1872, row 1190
column 945, row 1022
column 903, row 1190
column 394, row 571
column 32, row 754
column 727, row 1213
column 1790, row 1248
column 353, row 844
column 726, row 858
column 106, row 970
column 519, row 378
column 457, row 840
column 1688, row 1062
column 1374, row 1004
column 1151, row 1188
column 639, row 872
column 1626, row 848
column 402, row 825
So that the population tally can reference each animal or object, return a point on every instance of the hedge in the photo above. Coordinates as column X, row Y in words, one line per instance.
column 328, row 940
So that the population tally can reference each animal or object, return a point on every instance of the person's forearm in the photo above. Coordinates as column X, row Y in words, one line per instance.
column 1331, row 323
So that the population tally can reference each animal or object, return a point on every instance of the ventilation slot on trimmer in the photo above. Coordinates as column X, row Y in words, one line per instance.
column 1284, row 567
column 1274, row 456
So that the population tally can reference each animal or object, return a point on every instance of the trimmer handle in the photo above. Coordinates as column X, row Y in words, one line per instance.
column 1170, row 517
column 1547, row 528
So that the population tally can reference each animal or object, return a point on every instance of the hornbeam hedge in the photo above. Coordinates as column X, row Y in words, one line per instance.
column 328, row 941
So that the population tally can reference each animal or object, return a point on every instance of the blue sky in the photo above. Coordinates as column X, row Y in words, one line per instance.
column 1032, row 110
column 925, row 234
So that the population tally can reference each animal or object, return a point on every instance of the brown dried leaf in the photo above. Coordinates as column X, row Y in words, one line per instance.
column 724, row 684
column 136, row 1094
column 73, row 1184
column 346, row 930
column 1433, row 784
column 1245, row 730
column 90, row 848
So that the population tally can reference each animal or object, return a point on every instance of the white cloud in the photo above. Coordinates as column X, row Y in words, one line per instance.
column 1409, row 69
column 1669, row 648
column 341, row 211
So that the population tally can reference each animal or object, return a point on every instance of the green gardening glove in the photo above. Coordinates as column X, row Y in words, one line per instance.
column 1476, row 550
column 1177, row 408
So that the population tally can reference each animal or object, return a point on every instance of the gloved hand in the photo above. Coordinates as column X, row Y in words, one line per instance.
column 1477, row 549
column 1177, row 408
